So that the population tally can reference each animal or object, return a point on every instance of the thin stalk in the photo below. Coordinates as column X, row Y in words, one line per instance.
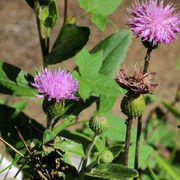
column 139, row 123
column 87, row 156
column 14, row 149
column 128, row 137
column 40, row 27
column 65, row 11
column 147, row 60
column 138, row 137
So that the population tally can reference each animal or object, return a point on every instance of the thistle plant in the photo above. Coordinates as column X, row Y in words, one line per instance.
column 63, row 145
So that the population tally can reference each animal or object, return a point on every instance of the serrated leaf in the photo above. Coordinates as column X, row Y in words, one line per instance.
column 70, row 40
column 99, row 10
column 70, row 146
column 13, row 81
column 91, row 82
column 114, row 50
column 112, row 171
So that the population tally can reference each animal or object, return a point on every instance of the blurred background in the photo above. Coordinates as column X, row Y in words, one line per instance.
column 19, row 45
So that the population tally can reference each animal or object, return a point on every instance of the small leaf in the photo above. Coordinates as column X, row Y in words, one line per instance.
column 112, row 171
column 71, row 39
column 48, row 136
column 114, row 50
column 116, row 149
column 70, row 146
column 99, row 10
column 13, row 81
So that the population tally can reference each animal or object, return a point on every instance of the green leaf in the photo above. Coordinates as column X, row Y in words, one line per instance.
column 144, row 154
column 91, row 82
column 13, row 81
column 8, row 132
column 114, row 50
column 112, row 171
column 117, row 129
column 70, row 146
column 99, row 10
column 116, row 149
column 166, row 166
column 70, row 40
column 105, row 103
column 173, row 110
column 48, row 136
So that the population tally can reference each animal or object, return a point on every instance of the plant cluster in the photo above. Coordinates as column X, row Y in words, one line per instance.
column 102, row 147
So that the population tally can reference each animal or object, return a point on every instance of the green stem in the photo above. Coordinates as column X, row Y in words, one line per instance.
column 40, row 27
column 49, row 122
column 128, row 138
column 138, row 138
column 87, row 156
column 139, row 123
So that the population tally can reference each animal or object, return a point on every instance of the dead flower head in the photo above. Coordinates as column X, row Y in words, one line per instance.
column 139, row 83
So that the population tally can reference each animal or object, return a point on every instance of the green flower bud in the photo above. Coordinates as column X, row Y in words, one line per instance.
column 106, row 157
column 52, row 108
column 133, row 105
column 98, row 124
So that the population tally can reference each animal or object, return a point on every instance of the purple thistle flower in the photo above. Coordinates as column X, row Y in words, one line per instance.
column 57, row 85
column 153, row 22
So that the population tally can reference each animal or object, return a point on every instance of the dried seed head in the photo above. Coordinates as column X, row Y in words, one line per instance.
column 139, row 83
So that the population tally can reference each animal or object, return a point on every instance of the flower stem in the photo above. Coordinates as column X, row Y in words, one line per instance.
column 128, row 137
column 139, row 123
column 41, row 32
column 138, row 137
column 147, row 60
column 87, row 156
column 49, row 122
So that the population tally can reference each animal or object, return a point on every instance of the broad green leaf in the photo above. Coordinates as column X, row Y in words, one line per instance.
column 48, row 135
column 13, row 81
column 91, row 82
column 70, row 40
column 105, row 103
column 8, row 132
column 117, row 129
column 99, row 10
column 165, row 165
column 114, row 50
column 112, row 171
column 70, row 146
column 143, row 157
column 172, row 109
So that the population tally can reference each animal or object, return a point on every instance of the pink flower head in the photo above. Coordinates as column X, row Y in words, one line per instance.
column 57, row 85
column 154, row 22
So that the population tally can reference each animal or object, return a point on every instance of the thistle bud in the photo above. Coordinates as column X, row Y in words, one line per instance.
column 53, row 108
column 133, row 105
column 98, row 124
column 106, row 157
